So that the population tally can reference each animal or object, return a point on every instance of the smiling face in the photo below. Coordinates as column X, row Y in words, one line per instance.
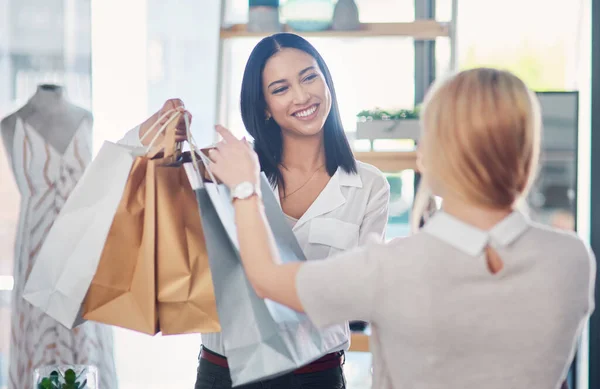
column 296, row 93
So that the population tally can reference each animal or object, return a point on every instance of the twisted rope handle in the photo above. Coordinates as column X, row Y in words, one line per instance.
column 162, row 129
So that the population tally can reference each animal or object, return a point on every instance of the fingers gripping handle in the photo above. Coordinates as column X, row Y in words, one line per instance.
column 173, row 116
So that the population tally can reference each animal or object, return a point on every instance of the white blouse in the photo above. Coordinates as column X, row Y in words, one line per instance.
column 442, row 320
column 350, row 208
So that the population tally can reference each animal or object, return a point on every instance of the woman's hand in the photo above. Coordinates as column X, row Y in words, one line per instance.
column 180, row 134
column 233, row 160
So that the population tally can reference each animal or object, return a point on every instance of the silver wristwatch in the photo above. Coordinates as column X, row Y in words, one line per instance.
column 244, row 190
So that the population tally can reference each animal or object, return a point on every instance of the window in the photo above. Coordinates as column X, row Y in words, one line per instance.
column 40, row 42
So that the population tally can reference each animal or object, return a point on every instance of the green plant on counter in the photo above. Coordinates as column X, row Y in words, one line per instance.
column 381, row 114
column 57, row 381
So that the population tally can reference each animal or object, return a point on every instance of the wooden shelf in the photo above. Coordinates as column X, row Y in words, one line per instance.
column 419, row 29
column 359, row 343
column 389, row 161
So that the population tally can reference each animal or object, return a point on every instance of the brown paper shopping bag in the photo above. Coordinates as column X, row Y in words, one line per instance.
column 155, row 252
column 123, row 289
column 122, row 292
column 185, row 294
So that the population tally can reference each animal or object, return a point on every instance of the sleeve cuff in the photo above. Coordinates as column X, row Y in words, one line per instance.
column 132, row 138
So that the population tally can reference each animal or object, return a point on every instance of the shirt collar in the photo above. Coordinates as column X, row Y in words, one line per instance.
column 340, row 177
column 472, row 240
column 330, row 198
column 349, row 179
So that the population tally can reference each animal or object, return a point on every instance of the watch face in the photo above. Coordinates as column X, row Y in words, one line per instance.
column 244, row 190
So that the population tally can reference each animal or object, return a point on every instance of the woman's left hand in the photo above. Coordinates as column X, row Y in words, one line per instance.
column 233, row 160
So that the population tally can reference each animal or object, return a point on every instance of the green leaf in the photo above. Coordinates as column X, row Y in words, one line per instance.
column 70, row 376
column 381, row 114
column 83, row 384
column 46, row 383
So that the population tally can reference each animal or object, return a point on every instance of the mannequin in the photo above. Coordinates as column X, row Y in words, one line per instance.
column 49, row 145
column 49, row 110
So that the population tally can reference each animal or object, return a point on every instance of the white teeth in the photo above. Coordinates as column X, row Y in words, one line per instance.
column 307, row 112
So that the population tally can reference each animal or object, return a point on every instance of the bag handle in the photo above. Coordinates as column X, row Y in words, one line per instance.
column 162, row 129
column 190, row 138
column 204, row 159
column 170, row 145
column 155, row 124
column 206, row 162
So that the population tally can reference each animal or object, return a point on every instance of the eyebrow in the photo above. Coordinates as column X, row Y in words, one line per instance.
column 303, row 71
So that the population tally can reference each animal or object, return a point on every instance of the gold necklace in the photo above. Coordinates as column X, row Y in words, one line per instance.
column 303, row 185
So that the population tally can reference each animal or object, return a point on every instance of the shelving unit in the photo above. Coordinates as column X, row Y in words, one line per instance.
column 389, row 161
column 419, row 29
column 422, row 29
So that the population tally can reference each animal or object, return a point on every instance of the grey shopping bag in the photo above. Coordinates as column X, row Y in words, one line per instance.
column 262, row 339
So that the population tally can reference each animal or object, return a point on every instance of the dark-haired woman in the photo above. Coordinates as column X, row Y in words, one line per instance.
column 332, row 201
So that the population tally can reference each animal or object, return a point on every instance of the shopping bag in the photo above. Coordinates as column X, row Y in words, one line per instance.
column 122, row 292
column 68, row 259
column 185, row 294
column 262, row 339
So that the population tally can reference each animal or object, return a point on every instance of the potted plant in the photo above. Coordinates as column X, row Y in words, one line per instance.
column 388, row 124
column 66, row 377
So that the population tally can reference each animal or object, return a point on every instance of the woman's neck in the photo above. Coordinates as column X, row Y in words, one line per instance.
column 303, row 153
column 484, row 218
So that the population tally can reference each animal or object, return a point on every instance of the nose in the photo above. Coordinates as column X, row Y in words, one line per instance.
column 301, row 95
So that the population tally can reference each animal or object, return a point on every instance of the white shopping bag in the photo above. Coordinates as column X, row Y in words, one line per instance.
column 68, row 259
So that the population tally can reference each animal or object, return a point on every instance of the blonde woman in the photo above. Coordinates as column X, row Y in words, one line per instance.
column 480, row 297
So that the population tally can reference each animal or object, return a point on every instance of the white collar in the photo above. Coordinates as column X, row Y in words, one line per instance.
column 472, row 240
column 349, row 179
column 331, row 197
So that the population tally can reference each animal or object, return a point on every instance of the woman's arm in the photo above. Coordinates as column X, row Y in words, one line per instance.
column 268, row 276
column 330, row 291
column 234, row 162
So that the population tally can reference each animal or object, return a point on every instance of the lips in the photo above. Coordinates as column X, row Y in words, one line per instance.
column 307, row 112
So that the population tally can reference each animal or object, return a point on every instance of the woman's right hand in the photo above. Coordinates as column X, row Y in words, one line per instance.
column 180, row 134
column 233, row 160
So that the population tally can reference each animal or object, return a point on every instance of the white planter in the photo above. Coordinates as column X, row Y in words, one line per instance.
column 388, row 129
column 85, row 375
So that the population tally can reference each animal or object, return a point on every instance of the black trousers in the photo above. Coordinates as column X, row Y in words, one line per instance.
column 212, row 376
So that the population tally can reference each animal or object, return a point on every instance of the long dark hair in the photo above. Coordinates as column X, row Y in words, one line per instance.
column 268, row 141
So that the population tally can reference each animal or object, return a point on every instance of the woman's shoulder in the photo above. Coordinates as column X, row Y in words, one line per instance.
column 552, row 239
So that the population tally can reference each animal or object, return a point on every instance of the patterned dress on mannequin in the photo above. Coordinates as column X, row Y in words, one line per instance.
column 45, row 178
